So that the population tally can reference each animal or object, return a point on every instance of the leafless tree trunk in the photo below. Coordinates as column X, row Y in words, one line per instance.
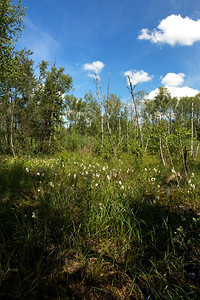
column 101, row 108
column 161, row 152
column 197, row 150
column 107, row 120
column 192, row 131
column 147, row 145
column 120, row 129
column 127, row 130
column 184, row 158
column 11, row 132
column 131, row 90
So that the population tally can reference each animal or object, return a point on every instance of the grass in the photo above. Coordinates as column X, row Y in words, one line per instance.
column 77, row 227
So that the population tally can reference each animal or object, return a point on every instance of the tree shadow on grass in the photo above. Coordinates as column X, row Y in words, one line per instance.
column 42, row 248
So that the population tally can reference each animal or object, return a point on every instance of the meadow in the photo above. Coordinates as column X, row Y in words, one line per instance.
column 75, row 226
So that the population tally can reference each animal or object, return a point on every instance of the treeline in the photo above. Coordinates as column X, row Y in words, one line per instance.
column 38, row 115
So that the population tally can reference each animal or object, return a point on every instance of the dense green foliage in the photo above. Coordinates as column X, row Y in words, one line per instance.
column 39, row 116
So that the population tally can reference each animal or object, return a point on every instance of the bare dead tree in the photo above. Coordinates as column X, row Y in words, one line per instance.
column 102, row 103
column 197, row 150
column 146, row 145
column 11, row 131
column 96, row 81
column 192, row 131
column 107, row 118
column 161, row 152
column 131, row 88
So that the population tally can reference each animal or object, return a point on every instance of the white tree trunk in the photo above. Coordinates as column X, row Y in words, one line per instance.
column 192, row 131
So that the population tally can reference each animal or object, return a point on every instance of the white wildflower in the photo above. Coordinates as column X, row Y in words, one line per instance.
column 33, row 215
column 27, row 170
column 38, row 173
column 51, row 184
column 108, row 177
column 74, row 176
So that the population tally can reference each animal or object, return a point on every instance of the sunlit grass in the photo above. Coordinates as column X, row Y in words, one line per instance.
column 76, row 225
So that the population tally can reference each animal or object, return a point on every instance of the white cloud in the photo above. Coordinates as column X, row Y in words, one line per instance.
column 174, row 30
column 172, row 79
column 96, row 67
column 137, row 76
column 176, row 92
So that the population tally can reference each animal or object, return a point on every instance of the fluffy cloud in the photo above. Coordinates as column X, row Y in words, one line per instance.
column 176, row 92
column 174, row 30
column 172, row 79
column 137, row 76
column 95, row 67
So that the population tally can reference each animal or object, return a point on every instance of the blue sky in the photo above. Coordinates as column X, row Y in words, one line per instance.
column 157, row 41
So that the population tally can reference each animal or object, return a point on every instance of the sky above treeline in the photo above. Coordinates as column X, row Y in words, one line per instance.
column 155, row 42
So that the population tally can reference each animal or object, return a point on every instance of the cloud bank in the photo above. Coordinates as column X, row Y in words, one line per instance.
column 172, row 82
column 137, row 76
column 176, row 92
column 173, row 30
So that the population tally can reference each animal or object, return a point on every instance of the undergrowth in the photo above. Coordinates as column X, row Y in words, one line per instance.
column 77, row 227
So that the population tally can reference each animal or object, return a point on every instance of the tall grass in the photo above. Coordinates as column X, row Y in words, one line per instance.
column 77, row 227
